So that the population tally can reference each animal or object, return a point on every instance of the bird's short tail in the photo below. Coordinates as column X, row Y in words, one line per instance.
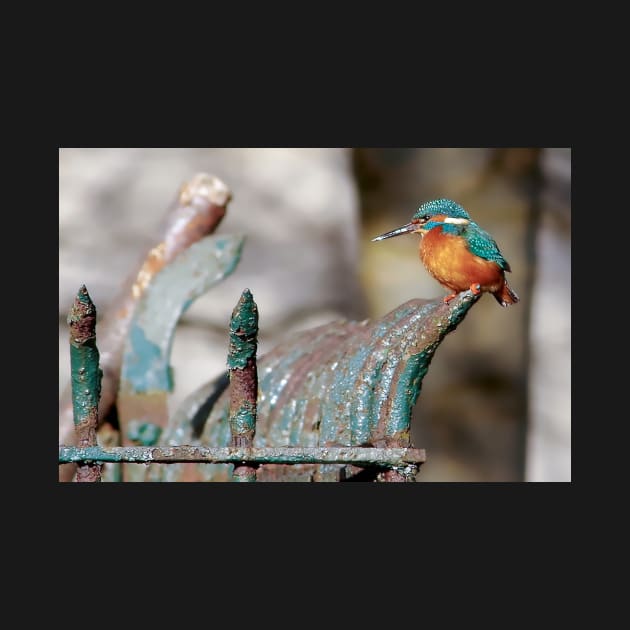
column 505, row 296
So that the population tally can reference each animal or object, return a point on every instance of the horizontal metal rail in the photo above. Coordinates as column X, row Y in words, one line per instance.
column 359, row 456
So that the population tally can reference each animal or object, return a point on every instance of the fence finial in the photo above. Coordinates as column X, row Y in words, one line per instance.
column 86, row 377
column 243, row 378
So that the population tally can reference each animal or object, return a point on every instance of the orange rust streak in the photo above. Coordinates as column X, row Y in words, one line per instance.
column 448, row 259
column 154, row 262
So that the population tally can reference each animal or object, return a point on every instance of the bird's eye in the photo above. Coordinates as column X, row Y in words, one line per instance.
column 425, row 218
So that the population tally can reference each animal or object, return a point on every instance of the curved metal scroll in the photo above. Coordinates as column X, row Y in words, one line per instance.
column 341, row 384
column 146, row 374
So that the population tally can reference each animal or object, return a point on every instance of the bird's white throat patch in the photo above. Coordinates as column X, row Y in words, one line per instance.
column 457, row 221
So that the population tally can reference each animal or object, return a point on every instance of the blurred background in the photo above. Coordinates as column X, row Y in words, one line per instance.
column 495, row 404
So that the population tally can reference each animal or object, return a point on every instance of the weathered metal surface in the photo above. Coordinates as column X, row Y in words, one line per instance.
column 359, row 456
column 146, row 377
column 398, row 474
column 198, row 210
column 243, row 379
column 342, row 384
column 242, row 370
column 86, row 378
column 244, row 473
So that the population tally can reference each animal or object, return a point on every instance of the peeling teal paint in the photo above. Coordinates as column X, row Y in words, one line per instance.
column 85, row 373
column 405, row 326
column 86, row 381
column 243, row 332
column 337, row 403
column 146, row 367
column 244, row 420
column 243, row 374
column 364, row 409
column 407, row 392
column 146, row 360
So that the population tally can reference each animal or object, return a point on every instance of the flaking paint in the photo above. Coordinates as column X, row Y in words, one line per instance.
column 243, row 331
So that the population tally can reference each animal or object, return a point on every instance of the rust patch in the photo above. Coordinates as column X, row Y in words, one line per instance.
column 401, row 439
column 243, row 386
column 86, row 430
column 392, row 476
column 242, row 441
column 82, row 319
column 155, row 261
column 193, row 229
column 89, row 473
column 281, row 472
column 82, row 330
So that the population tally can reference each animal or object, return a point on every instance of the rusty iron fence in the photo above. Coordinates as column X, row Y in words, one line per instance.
column 392, row 464
column 333, row 403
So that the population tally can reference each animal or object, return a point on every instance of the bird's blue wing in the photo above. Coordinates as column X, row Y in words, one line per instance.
column 481, row 243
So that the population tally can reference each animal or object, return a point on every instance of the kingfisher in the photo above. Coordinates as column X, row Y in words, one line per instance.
column 458, row 253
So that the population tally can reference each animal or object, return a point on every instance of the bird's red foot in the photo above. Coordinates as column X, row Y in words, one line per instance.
column 475, row 288
column 448, row 298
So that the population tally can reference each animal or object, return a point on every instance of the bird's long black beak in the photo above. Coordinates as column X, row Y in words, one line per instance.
column 410, row 227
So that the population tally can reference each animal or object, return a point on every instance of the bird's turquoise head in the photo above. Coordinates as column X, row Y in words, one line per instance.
column 431, row 214
column 441, row 207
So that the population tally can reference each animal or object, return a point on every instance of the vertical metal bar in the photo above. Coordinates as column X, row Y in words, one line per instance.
column 86, row 378
column 243, row 379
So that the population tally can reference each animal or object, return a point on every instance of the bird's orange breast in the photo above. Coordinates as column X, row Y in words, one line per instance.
column 452, row 264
